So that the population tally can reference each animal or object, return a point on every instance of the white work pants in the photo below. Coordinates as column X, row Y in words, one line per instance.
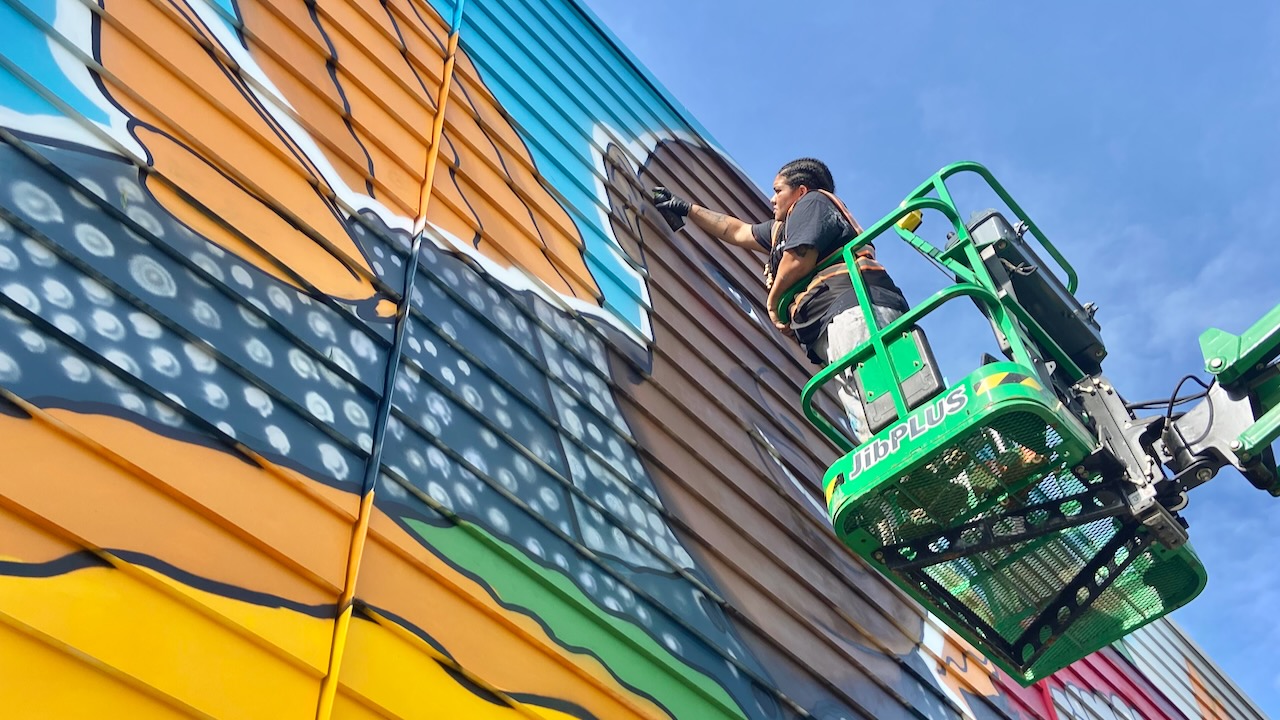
column 845, row 332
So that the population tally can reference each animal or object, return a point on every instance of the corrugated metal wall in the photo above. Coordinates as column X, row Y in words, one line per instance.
column 1181, row 670
column 264, row 460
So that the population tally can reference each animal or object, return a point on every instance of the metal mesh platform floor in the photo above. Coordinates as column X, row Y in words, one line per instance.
column 1035, row 564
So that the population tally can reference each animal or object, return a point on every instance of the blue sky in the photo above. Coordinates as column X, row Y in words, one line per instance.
column 1142, row 138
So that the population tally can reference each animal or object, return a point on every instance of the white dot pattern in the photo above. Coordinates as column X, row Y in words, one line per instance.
column 510, row 422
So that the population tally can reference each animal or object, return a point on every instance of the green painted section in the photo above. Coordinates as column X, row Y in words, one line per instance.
column 572, row 618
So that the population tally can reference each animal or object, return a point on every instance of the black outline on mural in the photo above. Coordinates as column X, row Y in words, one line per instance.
column 518, row 609
column 86, row 559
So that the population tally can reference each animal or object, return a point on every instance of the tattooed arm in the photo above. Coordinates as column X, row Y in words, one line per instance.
column 795, row 265
column 724, row 227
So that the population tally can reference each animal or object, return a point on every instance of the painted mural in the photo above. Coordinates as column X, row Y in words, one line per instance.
column 346, row 372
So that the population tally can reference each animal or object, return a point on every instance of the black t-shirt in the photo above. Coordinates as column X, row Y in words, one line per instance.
column 816, row 222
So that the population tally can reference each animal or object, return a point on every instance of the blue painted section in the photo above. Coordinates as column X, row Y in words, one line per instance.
column 229, row 15
column 506, row 42
column 455, row 22
column 17, row 96
column 633, row 64
column 27, row 46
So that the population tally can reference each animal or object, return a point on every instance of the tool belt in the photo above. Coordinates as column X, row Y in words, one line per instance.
column 865, row 258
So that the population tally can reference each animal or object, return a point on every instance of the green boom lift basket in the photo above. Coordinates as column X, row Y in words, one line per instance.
column 980, row 500
column 985, row 519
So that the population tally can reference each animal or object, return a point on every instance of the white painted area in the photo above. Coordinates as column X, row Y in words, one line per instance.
column 72, row 19
column 933, row 639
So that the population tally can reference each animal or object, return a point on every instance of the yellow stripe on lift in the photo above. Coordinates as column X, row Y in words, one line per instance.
column 1005, row 378
column 989, row 382
column 1031, row 383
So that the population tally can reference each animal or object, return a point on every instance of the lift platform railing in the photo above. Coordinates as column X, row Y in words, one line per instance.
column 963, row 261
column 986, row 500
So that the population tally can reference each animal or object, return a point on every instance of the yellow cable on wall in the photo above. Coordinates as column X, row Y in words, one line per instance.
column 360, row 532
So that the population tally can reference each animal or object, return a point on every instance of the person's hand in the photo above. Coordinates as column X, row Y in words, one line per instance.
column 782, row 327
column 664, row 200
column 673, row 209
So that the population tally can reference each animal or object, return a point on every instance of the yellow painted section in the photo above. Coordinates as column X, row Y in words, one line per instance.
column 43, row 681
column 380, row 664
column 989, row 382
column 198, row 649
column 346, row 707
column 154, row 641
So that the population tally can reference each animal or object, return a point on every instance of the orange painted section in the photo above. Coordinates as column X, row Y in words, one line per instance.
column 23, row 542
column 294, row 59
column 140, row 505
column 1210, row 707
column 199, row 135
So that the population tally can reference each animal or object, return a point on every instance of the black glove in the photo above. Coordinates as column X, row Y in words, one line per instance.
column 673, row 209
column 664, row 200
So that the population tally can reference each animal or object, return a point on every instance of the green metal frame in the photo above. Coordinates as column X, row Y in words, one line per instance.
column 1026, row 554
column 975, row 282
column 1235, row 358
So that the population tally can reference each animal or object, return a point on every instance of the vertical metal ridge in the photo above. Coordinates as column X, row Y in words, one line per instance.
column 360, row 532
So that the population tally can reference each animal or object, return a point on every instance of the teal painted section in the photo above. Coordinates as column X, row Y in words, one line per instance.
column 634, row 65
column 227, row 12
column 520, row 51
column 21, row 98
column 27, row 46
